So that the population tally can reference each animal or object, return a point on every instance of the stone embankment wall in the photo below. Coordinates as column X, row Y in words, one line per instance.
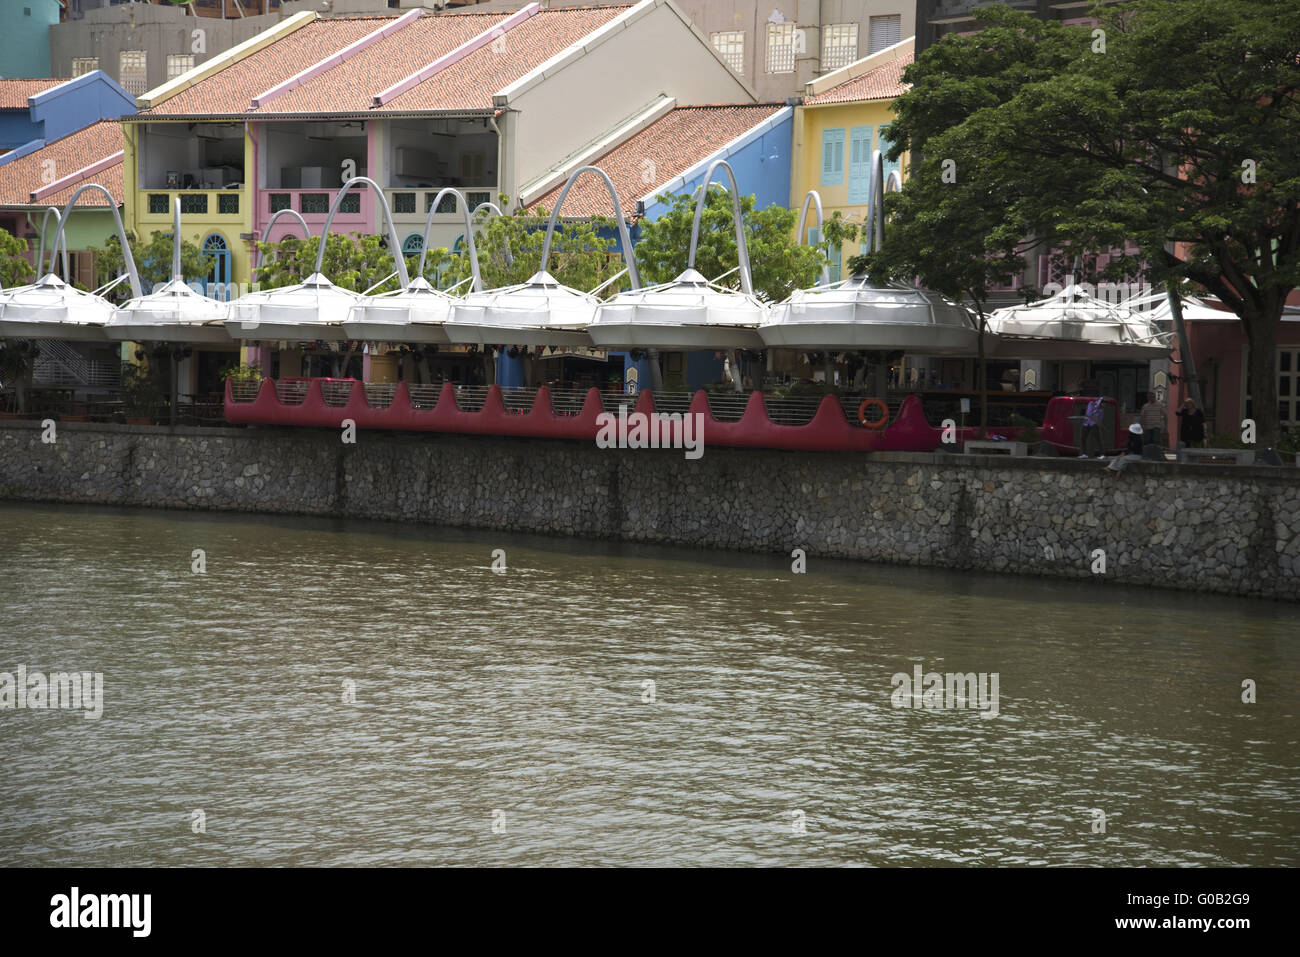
column 1227, row 529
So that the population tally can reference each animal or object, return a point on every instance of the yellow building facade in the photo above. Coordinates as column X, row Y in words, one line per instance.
column 844, row 118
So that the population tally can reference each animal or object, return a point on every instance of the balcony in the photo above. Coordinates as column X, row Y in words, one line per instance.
column 216, row 204
column 354, row 215
column 411, row 206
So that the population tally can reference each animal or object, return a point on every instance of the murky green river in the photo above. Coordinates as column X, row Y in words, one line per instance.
column 346, row 693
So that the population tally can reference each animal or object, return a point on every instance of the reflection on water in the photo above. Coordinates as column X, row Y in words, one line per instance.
column 526, row 693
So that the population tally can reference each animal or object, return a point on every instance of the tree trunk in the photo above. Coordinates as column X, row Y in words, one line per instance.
column 981, row 376
column 1261, row 332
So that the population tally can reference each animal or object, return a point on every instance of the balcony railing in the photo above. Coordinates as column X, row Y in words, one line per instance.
column 194, row 202
column 412, row 205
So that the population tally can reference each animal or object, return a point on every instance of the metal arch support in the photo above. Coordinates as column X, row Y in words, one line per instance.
column 815, row 199
column 306, row 230
column 633, row 275
column 176, row 238
column 398, row 258
column 737, row 219
column 493, row 207
column 875, row 224
column 131, row 272
column 54, row 251
column 476, row 285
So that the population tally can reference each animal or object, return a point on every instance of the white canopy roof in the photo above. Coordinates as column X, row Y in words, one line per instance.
column 413, row 314
column 313, row 309
column 1074, row 325
column 688, row 313
column 859, row 314
column 172, row 313
column 540, row 312
column 51, row 309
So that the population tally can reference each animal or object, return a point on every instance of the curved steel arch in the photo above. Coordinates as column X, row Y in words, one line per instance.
column 121, row 233
column 306, row 230
column 393, row 244
column 476, row 285
column 737, row 219
column 624, row 236
column 54, row 251
column 815, row 198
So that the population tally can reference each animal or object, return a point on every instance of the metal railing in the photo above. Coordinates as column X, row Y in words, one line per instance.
column 725, row 406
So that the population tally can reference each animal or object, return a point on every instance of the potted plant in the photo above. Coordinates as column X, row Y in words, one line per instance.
column 244, row 379
column 141, row 396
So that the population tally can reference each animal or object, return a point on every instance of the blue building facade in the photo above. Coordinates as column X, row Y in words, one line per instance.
column 761, row 161
column 60, row 111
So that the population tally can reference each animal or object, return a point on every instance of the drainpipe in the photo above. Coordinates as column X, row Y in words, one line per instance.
column 501, row 148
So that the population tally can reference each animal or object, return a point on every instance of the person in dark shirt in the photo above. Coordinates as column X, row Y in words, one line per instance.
column 1132, row 452
column 1191, row 425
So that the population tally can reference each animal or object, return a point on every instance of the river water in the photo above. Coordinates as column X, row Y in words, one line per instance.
column 351, row 693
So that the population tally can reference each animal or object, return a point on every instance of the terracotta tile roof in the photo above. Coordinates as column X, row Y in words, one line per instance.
column 883, row 83
column 350, row 87
column 662, row 151
column 25, row 175
column 470, row 83
column 228, row 92
column 14, row 93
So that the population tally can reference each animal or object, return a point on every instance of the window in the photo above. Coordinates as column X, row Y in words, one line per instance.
column 839, row 45
column 279, row 201
column 835, row 254
column 413, row 245
column 884, row 32
column 860, row 164
column 731, row 46
column 192, row 203
column 1288, row 386
column 132, row 71
column 403, row 202
column 351, row 202
column 228, row 204
column 447, row 205
column 178, row 63
column 833, row 157
column 780, row 47
column 314, row 202
column 218, row 253
column 81, row 65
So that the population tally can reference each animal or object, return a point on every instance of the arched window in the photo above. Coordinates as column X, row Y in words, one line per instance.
column 413, row 245
column 218, row 253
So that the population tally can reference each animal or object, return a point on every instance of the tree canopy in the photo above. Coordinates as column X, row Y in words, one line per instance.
column 351, row 262
column 510, row 251
column 14, row 268
column 153, row 261
column 1172, row 125
column 779, row 262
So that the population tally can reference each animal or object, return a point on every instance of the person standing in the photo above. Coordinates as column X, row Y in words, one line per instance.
column 1092, row 418
column 1191, row 425
column 1152, row 419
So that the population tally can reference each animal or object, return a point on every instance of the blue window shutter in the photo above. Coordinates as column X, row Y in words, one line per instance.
column 833, row 157
column 860, row 164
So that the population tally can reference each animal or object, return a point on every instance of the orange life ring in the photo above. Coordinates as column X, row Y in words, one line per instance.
column 873, row 404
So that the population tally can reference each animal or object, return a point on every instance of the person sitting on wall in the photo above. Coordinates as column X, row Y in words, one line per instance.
column 1152, row 418
column 1191, row 425
column 1132, row 451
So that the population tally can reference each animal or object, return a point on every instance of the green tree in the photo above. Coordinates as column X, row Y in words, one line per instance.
column 1173, row 127
column 350, row 263
column 14, row 269
column 779, row 263
column 510, row 251
column 153, row 261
